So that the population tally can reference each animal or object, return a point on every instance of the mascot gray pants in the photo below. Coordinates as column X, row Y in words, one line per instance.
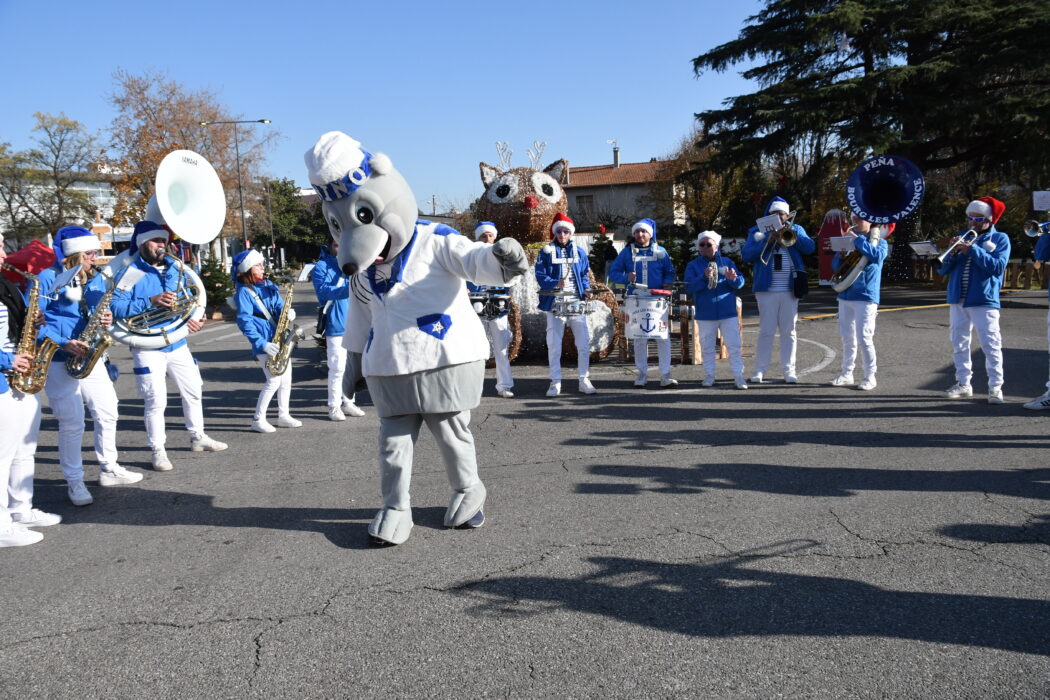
column 442, row 398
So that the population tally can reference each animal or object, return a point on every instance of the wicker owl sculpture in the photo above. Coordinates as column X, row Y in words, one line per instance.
column 522, row 201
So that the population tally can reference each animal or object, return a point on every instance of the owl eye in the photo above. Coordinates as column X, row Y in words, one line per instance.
column 365, row 215
column 503, row 190
column 547, row 187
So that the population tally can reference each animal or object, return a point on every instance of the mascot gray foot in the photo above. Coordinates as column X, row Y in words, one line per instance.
column 391, row 526
column 464, row 510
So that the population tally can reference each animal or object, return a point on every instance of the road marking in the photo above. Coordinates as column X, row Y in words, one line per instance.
column 829, row 355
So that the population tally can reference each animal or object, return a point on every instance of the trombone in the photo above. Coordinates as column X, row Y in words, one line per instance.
column 968, row 237
column 784, row 236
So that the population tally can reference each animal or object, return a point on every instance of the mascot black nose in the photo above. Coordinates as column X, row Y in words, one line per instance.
column 349, row 269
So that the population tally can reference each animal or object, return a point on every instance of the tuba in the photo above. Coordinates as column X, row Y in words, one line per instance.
column 882, row 190
column 190, row 202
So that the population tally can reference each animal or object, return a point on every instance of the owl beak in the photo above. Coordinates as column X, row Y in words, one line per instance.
column 531, row 202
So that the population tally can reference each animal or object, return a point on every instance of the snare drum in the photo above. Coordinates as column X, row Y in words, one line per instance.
column 570, row 306
column 647, row 316
column 490, row 302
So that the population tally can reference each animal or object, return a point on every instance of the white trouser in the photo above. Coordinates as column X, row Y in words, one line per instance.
column 500, row 335
column 857, row 328
column 67, row 397
column 663, row 353
column 275, row 384
column 152, row 367
column 397, row 439
column 776, row 311
column 555, row 331
column 964, row 320
column 1048, row 341
column 730, row 328
column 18, row 435
column 336, row 369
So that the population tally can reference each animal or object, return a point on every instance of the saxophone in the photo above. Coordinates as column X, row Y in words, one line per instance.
column 32, row 381
column 97, row 338
column 285, row 337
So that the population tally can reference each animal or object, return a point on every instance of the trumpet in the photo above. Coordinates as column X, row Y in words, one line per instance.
column 1034, row 229
column 784, row 236
column 968, row 237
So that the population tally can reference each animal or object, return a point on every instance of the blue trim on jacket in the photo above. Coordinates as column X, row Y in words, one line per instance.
column 1042, row 250
column 752, row 251
column 548, row 273
column 986, row 272
column 256, row 328
column 660, row 268
column 712, row 304
column 330, row 284
column 868, row 285
column 64, row 319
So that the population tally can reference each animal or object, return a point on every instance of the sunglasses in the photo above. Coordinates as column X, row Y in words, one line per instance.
column 977, row 219
column 707, row 245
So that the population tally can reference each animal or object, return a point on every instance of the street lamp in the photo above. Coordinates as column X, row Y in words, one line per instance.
column 237, row 150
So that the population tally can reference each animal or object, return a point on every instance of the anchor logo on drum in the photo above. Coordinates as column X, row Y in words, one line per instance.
column 647, row 325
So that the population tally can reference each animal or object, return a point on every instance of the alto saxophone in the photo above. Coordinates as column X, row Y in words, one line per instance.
column 95, row 336
column 284, row 337
column 32, row 381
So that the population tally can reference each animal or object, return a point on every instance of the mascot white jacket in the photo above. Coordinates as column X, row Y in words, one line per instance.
column 411, row 331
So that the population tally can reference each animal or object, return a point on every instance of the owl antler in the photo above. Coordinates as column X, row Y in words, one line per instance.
column 535, row 155
column 503, row 148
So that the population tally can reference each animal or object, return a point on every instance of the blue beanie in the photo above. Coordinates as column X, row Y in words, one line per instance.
column 645, row 225
column 73, row 239
column 142, row 231
column 244, row 261
column 778, row 204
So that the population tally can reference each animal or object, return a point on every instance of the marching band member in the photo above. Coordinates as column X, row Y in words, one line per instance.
column 646, row 263
column 1042, row 254
column 65, row 317
column 774, row 291
column 333, row 291
column 715, row 305
column 859, row 304
column 18, row 429
column 976, row 268
column 259, row 305
column 498, row 328
column 148, row 283
column 562, row 264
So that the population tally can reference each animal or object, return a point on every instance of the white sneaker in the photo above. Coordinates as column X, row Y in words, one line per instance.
column 641, row 379
column 739, row 382
column 842, row 380
column 586, row 387
column 161, row 463
column 1039, row 403
column 351, row 409
column 667, row 380
column 334, row 413
column 206, row 444
column 554, row 389
column 959, row 391
column 15, row 535
column 36, row 518
column 756, row 378
column 79, row 494
column 790, row 379
column 867, row 384
column 288, row 422
column 995, row 396
column 118, row 476
column 263, row 426
column 504, row 393
column 709, row 381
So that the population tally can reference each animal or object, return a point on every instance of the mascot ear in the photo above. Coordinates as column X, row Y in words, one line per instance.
column 381, row 164
column 557, row 170
column 489, row 174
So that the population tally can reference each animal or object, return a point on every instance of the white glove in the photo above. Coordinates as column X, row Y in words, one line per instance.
column 291, row 314
column 271, row 349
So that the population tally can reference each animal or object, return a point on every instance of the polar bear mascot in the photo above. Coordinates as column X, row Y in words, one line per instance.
column 411, row 331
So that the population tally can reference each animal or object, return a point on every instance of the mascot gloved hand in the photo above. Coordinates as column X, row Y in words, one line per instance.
column 421, row 345
column 511, row 258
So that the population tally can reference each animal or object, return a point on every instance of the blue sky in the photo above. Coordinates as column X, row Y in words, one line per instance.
column 432, row 84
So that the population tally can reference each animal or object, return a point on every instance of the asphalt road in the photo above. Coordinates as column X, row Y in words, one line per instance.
column 789, row 540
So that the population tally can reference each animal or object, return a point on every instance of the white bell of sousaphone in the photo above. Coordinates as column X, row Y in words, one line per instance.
column 190, row 202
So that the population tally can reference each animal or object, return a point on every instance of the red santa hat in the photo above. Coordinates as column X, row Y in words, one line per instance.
column 988, row 207
column 562, row 221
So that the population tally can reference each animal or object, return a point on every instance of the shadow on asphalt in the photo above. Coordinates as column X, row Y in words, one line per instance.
column 731, row 598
